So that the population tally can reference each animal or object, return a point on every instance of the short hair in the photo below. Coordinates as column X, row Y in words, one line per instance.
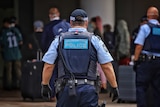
column 78, row 23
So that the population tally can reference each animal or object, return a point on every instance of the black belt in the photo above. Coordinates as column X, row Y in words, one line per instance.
column 149, row 57
column 83, row 81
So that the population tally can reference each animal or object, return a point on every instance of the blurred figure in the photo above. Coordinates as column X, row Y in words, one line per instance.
column 14, row 23
column 109, row 39
column 96, row 25
column 10, row 41
column 123, row 42
column 53, row 28
column 143, row 20
column 34, row 41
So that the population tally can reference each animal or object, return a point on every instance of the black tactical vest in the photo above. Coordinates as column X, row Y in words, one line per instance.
column 152, row 42
column 79, row 56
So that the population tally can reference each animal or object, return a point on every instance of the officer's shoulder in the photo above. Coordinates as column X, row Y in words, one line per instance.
column 144, row 26
column 61, row 35
column 96, row 37
column 64, row 33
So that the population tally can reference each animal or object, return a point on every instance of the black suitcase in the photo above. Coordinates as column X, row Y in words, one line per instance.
column 31, row 80
column 126, row 84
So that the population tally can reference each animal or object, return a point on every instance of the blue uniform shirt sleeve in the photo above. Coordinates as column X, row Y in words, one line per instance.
column 51, row 55
column 142, row 34
column 102, row 52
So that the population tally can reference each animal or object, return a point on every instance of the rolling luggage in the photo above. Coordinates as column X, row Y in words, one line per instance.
column 126, row 84
column 31, row 79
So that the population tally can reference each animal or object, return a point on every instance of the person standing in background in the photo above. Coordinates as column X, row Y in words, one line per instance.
column 122, row 42
column 53, row 28
column 96, row 24
column 10, row 41
column 143, row 21
column 34, row 44
column 109, row 39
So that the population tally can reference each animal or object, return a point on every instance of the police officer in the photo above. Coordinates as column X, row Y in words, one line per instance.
column 77, row 52
column 147, row 59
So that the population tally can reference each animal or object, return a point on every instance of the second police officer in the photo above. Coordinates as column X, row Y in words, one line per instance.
column 77, row 52
column 147, row 59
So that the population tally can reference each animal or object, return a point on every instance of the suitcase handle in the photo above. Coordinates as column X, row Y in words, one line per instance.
column 39, row 55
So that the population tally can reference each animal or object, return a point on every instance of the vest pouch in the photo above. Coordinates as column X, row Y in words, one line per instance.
column 154, row 41
column 92, row 70
column 61, row 68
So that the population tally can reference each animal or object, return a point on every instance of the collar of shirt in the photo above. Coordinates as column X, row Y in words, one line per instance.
column 56, row 18
column 77, row 29
column 154, row 21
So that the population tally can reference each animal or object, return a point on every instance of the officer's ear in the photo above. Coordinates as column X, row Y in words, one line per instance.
column 71, row 23
column 86, row 24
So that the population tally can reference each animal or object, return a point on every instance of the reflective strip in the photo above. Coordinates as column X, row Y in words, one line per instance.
column 73, row 18
column 156, row 31
column 75, row 43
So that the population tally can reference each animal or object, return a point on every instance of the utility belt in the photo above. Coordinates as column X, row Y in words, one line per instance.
column 145, row 57
column 72, row 83
column 81, row 82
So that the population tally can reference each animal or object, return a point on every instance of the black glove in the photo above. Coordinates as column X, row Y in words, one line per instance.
column 46, row 92
column 136, row 64
column 115, row 92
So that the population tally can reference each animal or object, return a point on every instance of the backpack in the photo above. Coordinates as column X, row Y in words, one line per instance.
column 61, row 27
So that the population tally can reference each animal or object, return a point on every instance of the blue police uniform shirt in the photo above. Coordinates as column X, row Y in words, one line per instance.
column 142, row 35
column 103, row 54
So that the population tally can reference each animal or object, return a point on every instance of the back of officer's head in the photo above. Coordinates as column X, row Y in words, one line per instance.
column 79, row 18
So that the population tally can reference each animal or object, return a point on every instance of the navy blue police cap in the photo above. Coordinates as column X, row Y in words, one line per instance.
column 79, row 15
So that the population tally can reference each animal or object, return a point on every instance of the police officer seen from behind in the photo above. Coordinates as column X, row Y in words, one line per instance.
column 147, row 59
column 77, row 52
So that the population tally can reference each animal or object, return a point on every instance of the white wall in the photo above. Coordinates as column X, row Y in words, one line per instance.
column 103, row 8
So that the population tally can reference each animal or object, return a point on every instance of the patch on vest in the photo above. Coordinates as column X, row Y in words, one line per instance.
column 156, row 31
column 75, row 43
